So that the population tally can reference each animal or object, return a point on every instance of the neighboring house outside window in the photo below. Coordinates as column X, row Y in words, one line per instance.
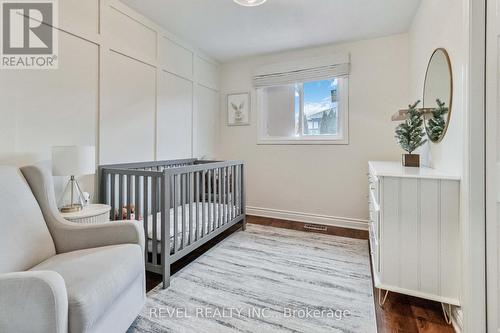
column 309, row 112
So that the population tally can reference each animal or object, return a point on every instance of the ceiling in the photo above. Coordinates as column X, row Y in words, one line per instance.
column 226, row 31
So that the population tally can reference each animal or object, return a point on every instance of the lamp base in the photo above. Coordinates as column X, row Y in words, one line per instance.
column 71, row 208
column 75, row 202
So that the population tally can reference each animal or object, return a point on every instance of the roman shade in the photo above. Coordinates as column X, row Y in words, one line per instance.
column 312, row 69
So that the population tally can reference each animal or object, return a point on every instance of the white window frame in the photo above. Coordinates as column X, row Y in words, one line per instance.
column 341, row 138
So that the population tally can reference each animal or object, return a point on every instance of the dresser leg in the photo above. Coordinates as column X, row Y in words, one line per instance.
column 446, row 312
column 381, row 301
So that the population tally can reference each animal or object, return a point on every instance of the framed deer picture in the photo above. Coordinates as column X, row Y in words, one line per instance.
column 238, row 109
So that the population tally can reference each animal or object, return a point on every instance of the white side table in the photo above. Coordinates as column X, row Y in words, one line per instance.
column 91, row 214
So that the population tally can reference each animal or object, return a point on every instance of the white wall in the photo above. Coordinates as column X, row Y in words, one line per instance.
column 123, row 84
column 322, row 183
column 430, row 30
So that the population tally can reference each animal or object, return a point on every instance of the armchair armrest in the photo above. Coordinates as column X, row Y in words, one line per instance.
column 33, row 302
column 70, row 236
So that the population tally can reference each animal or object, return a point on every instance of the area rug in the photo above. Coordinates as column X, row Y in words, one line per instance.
column 267, row 279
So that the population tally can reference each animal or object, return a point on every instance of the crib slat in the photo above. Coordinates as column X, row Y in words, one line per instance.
column 238, row 190
column 190, row 207
column 120, row 197
column 129, row 196
column 214, row 188
column 185, row 221
column 187, row 230
column 154, row 212
column 233, row 193
column 220, row 197
column 242, row 204
column 145, row 214
column 229, row 189
column 224, row 195
column 197, row 203
column 221, row 175
column 183, row 191
column 193, row 209
column 211, row 201
column 137, row 197
column 227, row 208
column 175, row 194
column 203, row 193
column 165, row 228
column 214, row 199
column 113, row 197
column 228, row 192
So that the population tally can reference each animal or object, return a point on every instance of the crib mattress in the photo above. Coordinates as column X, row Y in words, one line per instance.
column 208, row 223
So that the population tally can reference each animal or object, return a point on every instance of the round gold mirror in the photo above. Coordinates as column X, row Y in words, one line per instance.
column 438, row 95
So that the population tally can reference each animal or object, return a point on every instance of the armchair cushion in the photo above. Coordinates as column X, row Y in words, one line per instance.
column 94, row 279
column 33, row 302
column 24, row 240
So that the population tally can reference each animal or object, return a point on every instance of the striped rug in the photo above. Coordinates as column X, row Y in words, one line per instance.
column 268, row 280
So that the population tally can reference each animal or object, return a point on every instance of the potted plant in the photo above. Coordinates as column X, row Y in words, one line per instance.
column 410, row 135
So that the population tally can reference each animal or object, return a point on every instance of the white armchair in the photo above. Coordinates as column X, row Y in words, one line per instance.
column 56, row 276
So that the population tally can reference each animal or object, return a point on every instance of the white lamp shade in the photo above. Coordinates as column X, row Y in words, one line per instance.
column 73, row 160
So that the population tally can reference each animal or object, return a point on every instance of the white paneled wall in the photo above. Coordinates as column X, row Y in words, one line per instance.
column 129, row 35
column 179, row 61
column 127, row 123
column 205, row 73
column 175, row 105
column 205, row 122
column 124, row 84
column 158, row 82
column 79, row 17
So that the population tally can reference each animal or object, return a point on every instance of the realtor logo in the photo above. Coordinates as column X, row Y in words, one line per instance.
column 29, row 40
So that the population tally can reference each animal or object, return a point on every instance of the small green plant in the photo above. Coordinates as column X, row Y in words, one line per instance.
column 410, row 134
column 437, row 124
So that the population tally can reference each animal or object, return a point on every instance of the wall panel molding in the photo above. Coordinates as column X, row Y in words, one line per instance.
column 114, row 31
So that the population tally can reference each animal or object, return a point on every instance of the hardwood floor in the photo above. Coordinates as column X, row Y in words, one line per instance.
column 407, row 314
column 400, row 313
column 300, row 226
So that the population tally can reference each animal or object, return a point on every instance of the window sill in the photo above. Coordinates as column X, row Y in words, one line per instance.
column 303, row 141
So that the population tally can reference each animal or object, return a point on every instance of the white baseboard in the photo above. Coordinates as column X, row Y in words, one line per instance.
column 344, row 222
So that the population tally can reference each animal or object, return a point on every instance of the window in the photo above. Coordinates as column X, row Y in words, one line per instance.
column 309, row 112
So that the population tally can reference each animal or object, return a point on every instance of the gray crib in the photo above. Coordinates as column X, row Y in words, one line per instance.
column 182, row 204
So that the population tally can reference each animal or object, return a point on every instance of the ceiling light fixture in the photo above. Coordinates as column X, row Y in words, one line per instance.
column 250, row 3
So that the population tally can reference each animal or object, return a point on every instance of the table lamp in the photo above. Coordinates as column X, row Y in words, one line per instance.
column 72, row 161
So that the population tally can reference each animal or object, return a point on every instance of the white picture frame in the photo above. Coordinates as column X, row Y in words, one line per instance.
column 238, row 109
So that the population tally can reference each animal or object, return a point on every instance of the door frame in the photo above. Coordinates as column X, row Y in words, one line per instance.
column 474, row 178
column 492, row 163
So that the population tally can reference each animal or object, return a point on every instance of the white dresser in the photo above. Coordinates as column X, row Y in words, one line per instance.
column 414, row 231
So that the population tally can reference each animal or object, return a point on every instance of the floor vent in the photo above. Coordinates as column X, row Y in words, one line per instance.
column 315, row 227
